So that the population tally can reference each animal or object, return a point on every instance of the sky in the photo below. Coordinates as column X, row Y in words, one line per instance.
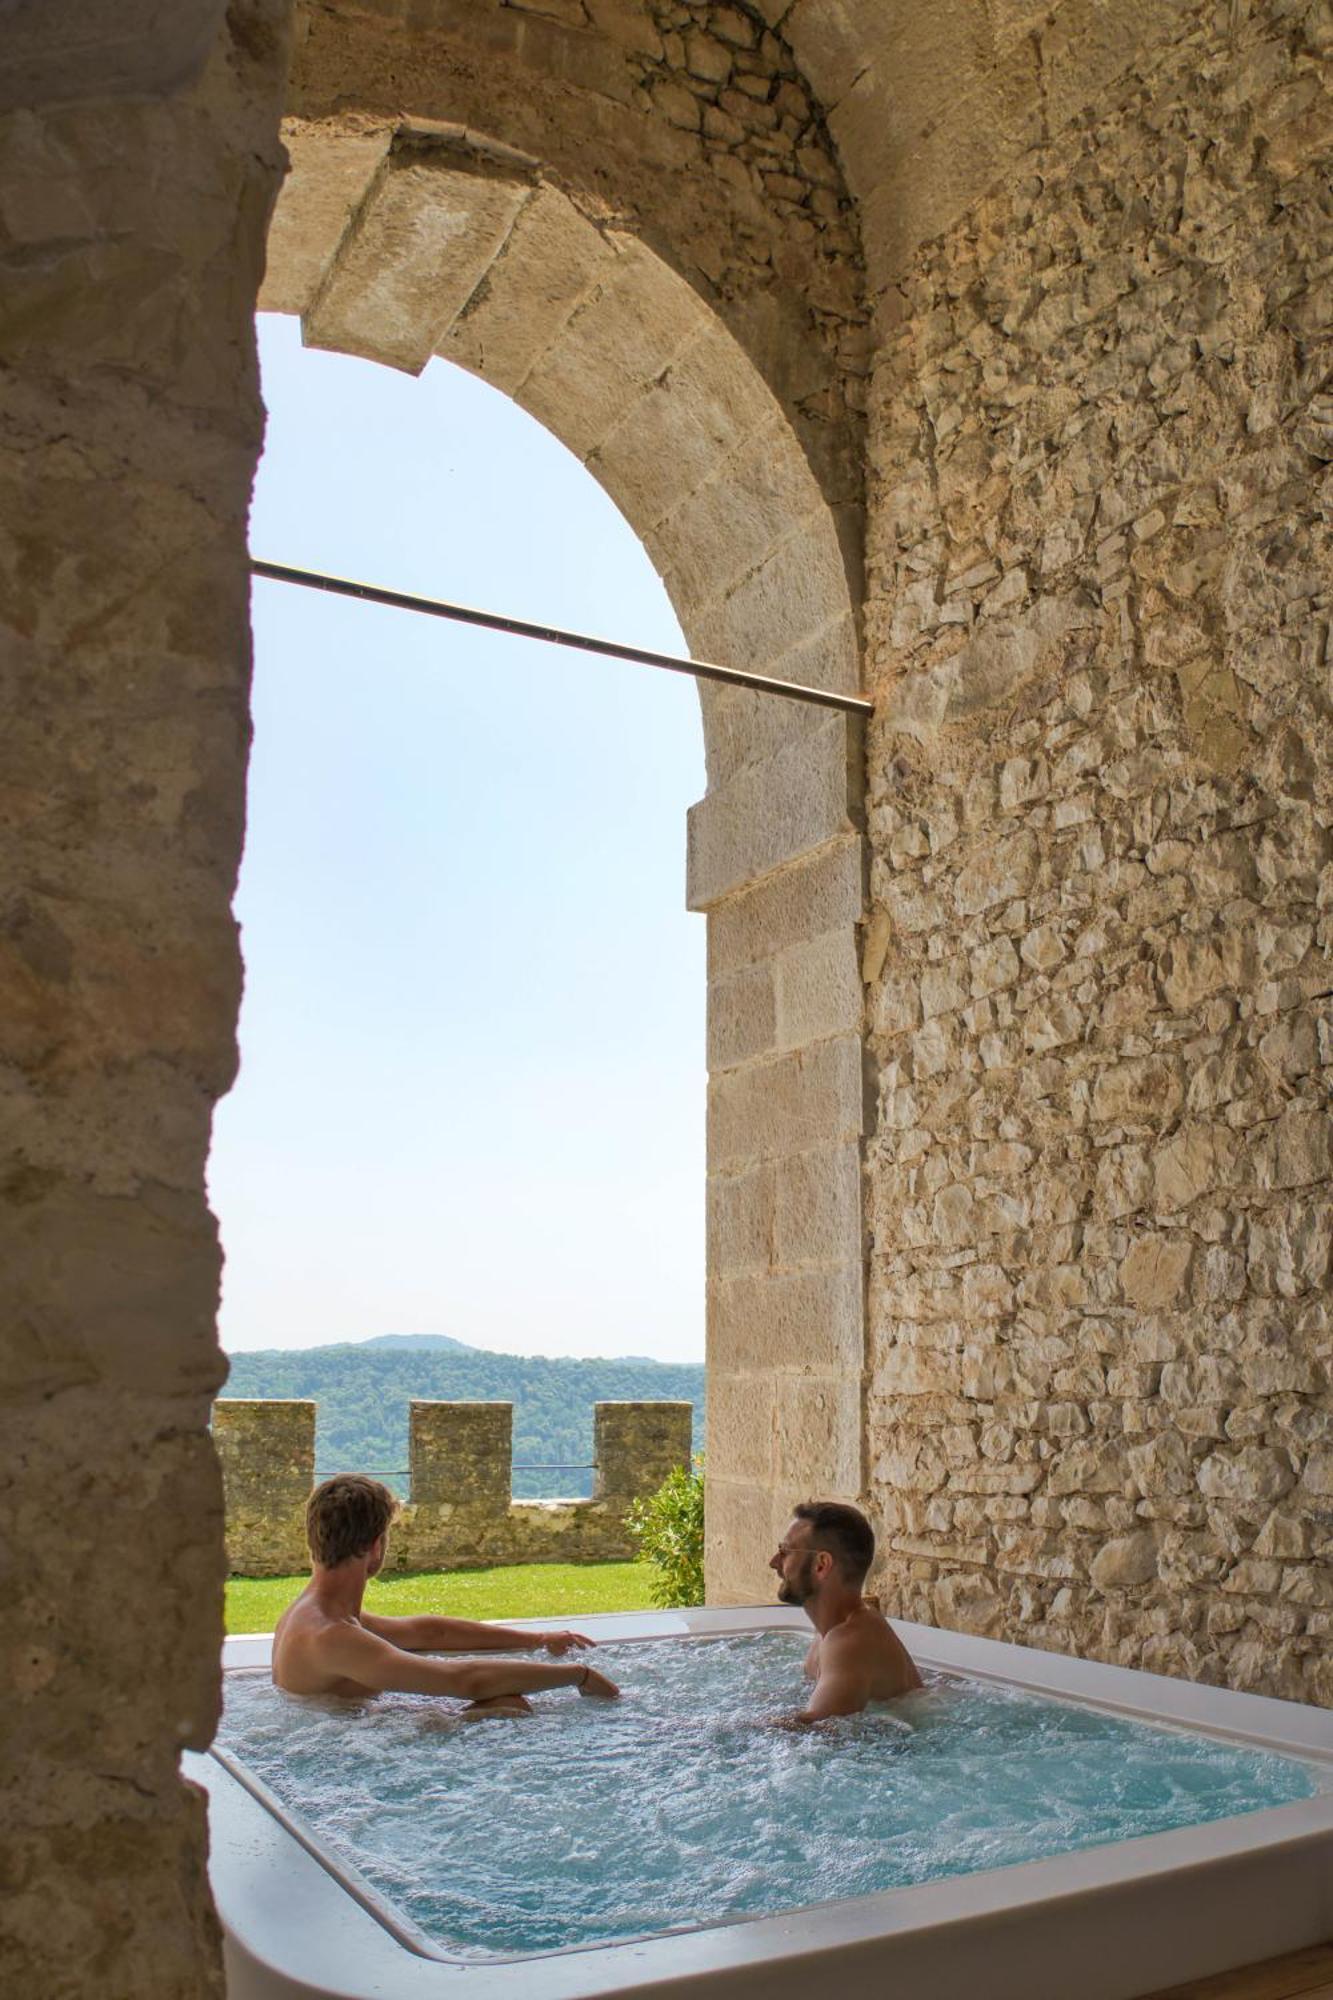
column 471, row 1093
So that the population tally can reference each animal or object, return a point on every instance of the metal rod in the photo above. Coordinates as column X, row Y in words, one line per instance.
column 555, row 1465
column 492, row 621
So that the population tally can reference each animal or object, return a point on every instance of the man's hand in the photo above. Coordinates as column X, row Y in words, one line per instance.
column 598, row 1685
column 559, row 1643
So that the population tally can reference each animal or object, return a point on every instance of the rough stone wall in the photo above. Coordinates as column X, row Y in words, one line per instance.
column 688, row 126
column 131, row 230
column 931, row 107
column 1100, row 811
column 266, row 1449
column 459, row 1513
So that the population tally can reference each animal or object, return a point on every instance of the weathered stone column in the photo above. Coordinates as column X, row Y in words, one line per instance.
column 138, row 170
column 778, row 863
column 461, row 1459
column 636, row 1445
column 267, row 1453
column 461, row 1454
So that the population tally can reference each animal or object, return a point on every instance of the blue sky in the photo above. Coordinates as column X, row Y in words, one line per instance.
column 472, row 1071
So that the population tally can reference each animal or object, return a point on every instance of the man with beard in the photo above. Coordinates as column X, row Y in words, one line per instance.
column 856, row 1656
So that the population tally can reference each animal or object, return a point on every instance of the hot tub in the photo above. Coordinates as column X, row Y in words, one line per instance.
column 1111, row 1921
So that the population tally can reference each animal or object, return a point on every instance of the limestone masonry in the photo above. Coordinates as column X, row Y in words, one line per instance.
column 976, row 356
column 1099, row 810
column 459, row 1513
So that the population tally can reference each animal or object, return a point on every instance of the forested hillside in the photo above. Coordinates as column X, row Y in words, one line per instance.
column 363, row 1390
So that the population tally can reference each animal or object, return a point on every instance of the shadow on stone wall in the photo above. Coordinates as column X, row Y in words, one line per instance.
column 459, row 1513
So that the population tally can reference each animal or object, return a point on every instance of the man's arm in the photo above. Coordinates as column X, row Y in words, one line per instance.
column 354, row 1654
column 843, row 1686
column 427, row 1634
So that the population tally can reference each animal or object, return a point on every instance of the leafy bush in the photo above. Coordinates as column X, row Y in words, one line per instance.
column 669, row 1529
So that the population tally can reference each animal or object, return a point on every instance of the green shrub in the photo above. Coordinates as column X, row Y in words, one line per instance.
column 669, row 1529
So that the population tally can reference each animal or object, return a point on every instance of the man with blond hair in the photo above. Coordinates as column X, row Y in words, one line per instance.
column 325, row 1643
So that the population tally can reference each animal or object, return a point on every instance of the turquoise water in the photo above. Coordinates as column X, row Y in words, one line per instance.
column 676, row 1807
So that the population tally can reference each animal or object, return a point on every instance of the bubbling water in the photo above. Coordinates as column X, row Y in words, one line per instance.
column 679, row 1807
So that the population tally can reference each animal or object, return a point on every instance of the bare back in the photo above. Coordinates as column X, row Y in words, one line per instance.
column 326, row 1644
column 864, row 1647
column 300, row 1647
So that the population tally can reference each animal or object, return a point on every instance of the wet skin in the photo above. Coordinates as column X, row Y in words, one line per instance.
column 856, row 1656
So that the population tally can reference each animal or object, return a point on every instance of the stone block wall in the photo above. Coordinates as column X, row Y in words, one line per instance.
column 459, row 1513
column 698, row 117
column 1101, row 820
column 787, row 1110
column 267, row 1453
column 461, row 1454
column 139, row 157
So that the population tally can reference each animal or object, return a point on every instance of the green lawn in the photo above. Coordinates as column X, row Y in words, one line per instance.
column 529, row 1590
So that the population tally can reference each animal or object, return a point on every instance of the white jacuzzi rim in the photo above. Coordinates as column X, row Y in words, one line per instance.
column 369, row 1959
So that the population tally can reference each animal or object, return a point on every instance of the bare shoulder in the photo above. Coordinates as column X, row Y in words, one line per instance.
column 897, row 1661
column 299, row 1641
column 303, row 1615
column 868, row 1639
column 865, row 1626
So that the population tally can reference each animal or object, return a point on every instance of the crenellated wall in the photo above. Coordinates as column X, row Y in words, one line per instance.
column 267, row 1453
column 459, row 1513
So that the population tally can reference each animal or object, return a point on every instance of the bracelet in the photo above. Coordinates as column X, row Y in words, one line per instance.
column 584, row 1682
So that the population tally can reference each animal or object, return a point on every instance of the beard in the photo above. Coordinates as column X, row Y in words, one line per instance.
column 801, row 1587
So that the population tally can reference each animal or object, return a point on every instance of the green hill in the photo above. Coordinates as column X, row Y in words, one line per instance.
column 363, row 1389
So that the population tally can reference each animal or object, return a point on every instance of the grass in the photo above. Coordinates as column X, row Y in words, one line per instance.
column 526, row 1590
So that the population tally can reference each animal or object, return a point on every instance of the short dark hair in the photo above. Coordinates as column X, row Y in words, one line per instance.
column 345, row 1516
column 844, row 1531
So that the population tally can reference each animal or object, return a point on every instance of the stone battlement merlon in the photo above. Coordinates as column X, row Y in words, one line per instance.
column 459, row 1513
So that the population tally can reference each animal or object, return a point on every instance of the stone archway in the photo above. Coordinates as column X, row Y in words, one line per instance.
column 399, row 242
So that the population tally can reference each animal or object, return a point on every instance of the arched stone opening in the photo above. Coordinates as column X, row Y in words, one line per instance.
column 401, row 242
column 137, row 205
column 692, row 129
